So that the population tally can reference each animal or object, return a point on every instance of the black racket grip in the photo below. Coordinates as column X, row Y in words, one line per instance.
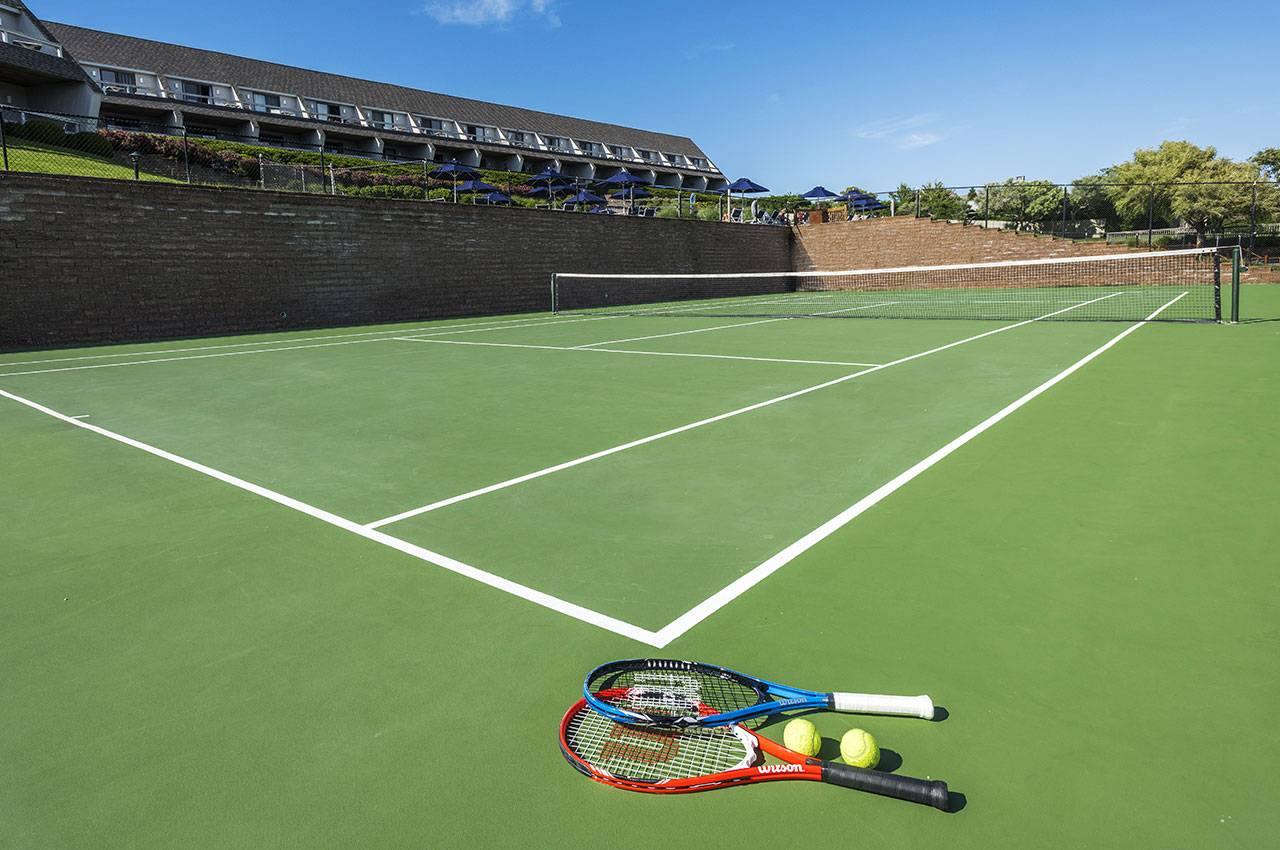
column 930, row 792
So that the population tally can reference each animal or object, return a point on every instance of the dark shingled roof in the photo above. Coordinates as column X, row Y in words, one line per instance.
column 171, row 59
column 20, row 59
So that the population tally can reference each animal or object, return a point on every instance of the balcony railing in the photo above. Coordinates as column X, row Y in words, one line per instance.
column 30, row 42
column 130, row 88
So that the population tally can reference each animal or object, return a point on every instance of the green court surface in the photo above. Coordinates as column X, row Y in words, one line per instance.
column 336, row 588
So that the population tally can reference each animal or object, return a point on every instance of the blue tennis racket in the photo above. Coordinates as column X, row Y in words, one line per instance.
column 664, row 692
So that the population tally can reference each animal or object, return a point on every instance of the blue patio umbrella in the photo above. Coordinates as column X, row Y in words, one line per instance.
column 497, row 198
column 743, row 186
column 547, row 174
column 552, row 190
column 625, row 180
column 624, row 194
column 476, row 186
column 456, row 169
column 819, row 193
column 586, row 197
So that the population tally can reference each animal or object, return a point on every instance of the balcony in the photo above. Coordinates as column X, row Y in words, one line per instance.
column 130, row 88
column 30, row 42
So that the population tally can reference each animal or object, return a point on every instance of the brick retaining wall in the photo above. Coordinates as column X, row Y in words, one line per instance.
column 86, row 261
column 908, row 241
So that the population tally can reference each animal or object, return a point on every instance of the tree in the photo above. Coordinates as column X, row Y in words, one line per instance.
column 1148, row 195
column 937, row 201
column 1269, row 161
column 1025, row 202
column 1226, row 194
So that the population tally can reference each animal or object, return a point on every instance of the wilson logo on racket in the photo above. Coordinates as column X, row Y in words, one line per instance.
column 780, row 768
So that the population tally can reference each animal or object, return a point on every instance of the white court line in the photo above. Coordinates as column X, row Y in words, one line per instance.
column 678, row 333
column 569, row 464
column 430, row 327
column 709, row 606
column 578, row 612
column 629, row 351
column 290, row 348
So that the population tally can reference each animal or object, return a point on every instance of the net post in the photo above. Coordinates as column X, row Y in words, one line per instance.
column 1217, row 286
column 554, row 306
column 1236, row 263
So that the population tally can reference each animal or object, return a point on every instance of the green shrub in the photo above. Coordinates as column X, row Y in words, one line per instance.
column 40, row 130
column 93, row 144
column 668, row 212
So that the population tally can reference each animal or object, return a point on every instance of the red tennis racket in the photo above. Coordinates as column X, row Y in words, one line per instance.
column 681, row 760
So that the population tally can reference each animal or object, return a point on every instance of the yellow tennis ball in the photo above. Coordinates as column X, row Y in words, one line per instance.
column 859, row 749
column 802, row 736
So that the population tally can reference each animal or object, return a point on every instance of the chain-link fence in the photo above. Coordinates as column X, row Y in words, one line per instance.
column 1152, row 215
column 83, row 146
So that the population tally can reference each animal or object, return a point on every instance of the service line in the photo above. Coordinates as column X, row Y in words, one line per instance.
column 570, row 464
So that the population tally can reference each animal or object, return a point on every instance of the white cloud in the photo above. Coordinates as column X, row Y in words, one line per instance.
column 906, row 132
column 911, row 141
column 482, row 12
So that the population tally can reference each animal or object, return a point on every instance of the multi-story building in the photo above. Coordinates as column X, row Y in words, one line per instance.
column 137, row 83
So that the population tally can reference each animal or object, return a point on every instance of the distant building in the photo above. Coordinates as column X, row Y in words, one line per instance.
column 134, row 83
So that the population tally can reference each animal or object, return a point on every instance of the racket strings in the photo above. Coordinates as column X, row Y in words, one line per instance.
column 655, row 755
column 674, row 693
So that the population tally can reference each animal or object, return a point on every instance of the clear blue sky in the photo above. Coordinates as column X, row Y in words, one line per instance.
column 797, row 93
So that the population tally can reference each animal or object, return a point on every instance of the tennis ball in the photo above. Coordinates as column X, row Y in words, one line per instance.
column 802, row 736
column 859, row 749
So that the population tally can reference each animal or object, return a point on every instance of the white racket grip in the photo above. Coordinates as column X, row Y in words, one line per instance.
column 921, row 706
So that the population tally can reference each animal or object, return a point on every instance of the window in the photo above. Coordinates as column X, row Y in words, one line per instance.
column 481, row 134
column 520, row 137
column 202, row 132
column 334, row 147
column 434, row 126
column 699, row 162
column 381, row 120
column 591, row 148
column 195, row 92
column 260, row 102
column 331, row 112
column 674, row 158
column 271, row 139
column 556, row 143
column 647, row 156
column 113, row 80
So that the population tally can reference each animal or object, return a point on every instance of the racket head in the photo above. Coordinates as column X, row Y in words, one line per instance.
column 671, row 759
column 672, row 693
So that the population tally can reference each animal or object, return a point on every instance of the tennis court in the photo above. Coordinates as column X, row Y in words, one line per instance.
column 344, row 583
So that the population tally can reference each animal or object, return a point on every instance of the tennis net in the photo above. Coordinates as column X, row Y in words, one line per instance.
column 1180, row 285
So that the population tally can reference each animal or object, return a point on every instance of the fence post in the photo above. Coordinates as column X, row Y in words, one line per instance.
column 4, row 143
column 333, row 181
column 1151, row 214
column 1064, row 212
column 986, row 207
column 1236, row 263
column 1253, row 219
column 262, row 174
column 186, row 155
column 917, row 203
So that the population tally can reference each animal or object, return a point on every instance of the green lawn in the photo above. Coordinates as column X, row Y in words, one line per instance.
column 45, row 159
column 1088, row 587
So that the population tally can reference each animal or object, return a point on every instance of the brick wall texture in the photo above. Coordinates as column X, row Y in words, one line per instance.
column 86, row 261
column 907, row 241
